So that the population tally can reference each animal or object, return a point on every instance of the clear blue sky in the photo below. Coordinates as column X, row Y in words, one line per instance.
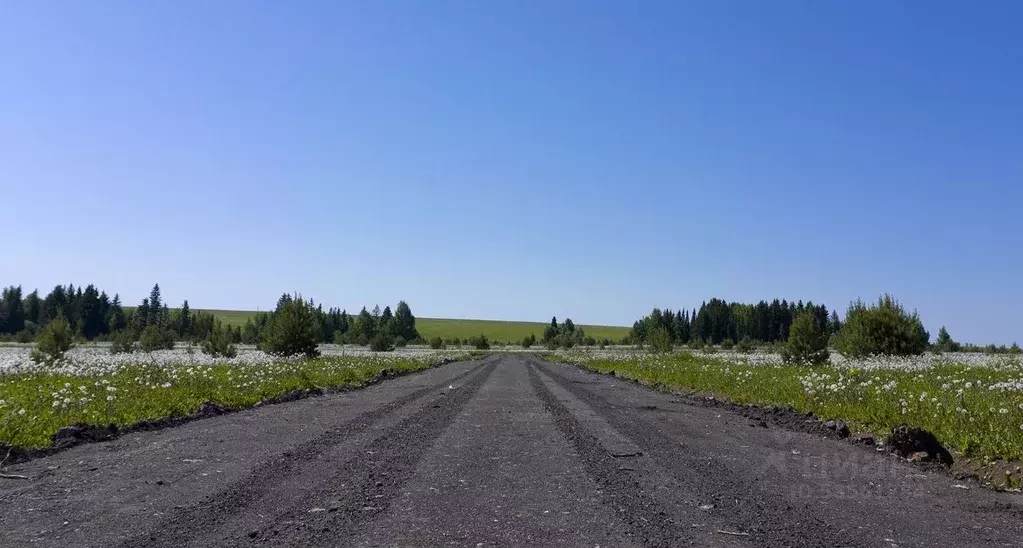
column 515, row 160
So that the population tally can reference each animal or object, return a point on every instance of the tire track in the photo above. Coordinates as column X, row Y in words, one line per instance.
column 360, row 489
column 213, row 511
column 645, row 518
column 768, row 519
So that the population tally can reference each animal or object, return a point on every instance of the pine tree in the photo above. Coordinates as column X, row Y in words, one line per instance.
column 345, row 324
column 156, row 307
column 834, row 324
column 90, row 318
column 33, row 307
column 185, row 320
column 366, row 327
column 142, row 314
column 293, row 329
column 405, row 322
column 551, row 332
column 104, row 312
column 12, row 311
column 944, row 340
column 807, row 344
column 116, row 320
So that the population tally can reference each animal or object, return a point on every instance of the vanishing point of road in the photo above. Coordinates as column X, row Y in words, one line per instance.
column 507, row 451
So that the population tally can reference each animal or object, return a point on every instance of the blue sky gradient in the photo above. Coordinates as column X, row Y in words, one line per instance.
column 515, row 160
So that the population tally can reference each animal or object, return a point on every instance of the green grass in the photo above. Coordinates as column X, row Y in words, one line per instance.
column 232, row 317
column 33, row 406
column 504, row 331
column 965, row 407
column 495, row 330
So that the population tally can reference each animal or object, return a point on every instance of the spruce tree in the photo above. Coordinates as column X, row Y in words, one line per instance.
column 185, row 321
column 33, row 307
column 944, row 340
column 12, row 311
column 405, row 322
column 807, row 344
column 115, row 316
column 155, row 307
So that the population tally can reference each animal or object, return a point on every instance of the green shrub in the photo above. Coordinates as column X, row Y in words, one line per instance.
column 219, row 342
column 24, row 336
column 155, row 338
column 340, row 338
column 528, row 340
column 807, row 344
column 589, row 341
column 293, row 329
column 660, row 341
column 479, row 342
column 727, row 344
column 1014, row 349
column 122, row 342
column 745, row 345
column 436, row 343
column 944, row 342
column 53, row 342
column 696, row 344
column 400, row 342
column 881, row 329
column 382, row 342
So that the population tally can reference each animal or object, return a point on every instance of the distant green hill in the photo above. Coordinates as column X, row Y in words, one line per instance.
column 494, row 330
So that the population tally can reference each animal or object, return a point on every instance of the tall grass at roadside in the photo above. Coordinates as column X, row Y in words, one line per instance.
column 34, row 405
column 975, row 410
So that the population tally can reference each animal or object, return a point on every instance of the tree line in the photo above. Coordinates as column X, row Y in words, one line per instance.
column 94, row 316
column 804, row 332
column 717, row 322
column 379, row 328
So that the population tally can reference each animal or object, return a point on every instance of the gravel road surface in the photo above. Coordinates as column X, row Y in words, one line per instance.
column 507, row 451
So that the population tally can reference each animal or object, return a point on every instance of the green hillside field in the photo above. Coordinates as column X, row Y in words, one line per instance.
column 495, row 330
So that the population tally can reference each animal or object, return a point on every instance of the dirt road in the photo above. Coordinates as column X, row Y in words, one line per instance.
column 503, row 452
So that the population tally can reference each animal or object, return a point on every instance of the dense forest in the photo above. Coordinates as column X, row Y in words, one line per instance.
column 717, row 321
column 93, row 315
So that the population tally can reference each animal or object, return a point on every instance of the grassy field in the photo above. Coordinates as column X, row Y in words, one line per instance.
column 976, row 410
column 494, row 330
column 34, row 405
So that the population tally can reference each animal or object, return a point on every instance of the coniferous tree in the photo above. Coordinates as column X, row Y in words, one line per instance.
column 184, row 327
column 551, row 331
column 116, row 320
column 365, row 327
column 33, row 307
column 882, row 329
column 944, row 340
column 90, row 317
column 834, row 324
column 142, row 314
column 293, row 329
column 807, row 343
column 155, row 305
column 53, row 305
column 386, row 322
column 405, row 322
column 12, row 311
